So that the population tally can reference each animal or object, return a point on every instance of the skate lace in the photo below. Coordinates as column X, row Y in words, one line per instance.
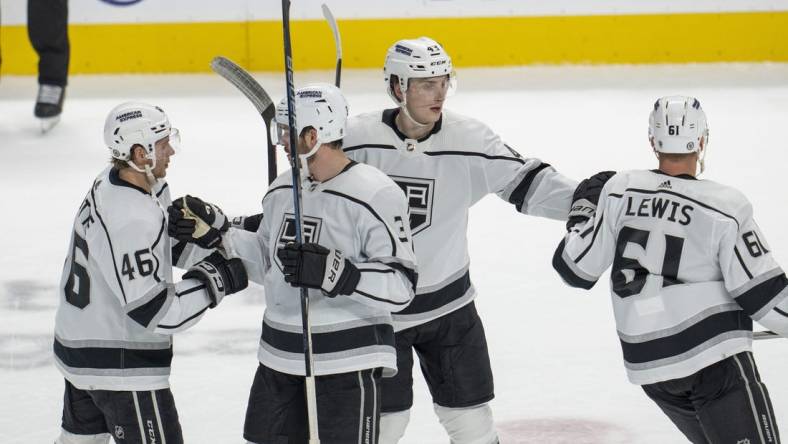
column 49, row 94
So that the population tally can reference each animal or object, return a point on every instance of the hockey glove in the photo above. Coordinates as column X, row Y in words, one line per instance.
column 193, row 220
column 314, row 266
column 586, row 198
column 220, row 275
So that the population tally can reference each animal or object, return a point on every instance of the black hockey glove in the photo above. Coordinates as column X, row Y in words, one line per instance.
column 192, row 220
column 248, row 223
column 314, row 266
column 220, row 275
column 586, row 198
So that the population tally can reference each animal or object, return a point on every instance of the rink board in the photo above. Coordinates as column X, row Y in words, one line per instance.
column 473, row 41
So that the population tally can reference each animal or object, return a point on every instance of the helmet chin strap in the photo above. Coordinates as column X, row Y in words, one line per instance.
column 147, row 170
column 304, row 159
column 404, row 108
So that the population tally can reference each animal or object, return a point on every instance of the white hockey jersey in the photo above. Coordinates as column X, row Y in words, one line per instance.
column 691, row 270
column 362, row 213
column 442, row 176
column 118, row 305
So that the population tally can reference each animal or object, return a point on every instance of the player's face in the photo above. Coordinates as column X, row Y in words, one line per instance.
column 164, row 150
column 303, row 143
column 425, row 98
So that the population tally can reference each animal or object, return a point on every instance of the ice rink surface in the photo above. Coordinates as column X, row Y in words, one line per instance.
column 555, row 353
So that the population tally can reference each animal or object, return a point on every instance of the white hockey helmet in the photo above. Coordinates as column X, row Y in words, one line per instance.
column 677, row 124
column 416, row 59
column 321, row 106
column 134, row 123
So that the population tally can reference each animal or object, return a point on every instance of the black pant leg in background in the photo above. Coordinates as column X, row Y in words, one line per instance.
column 47, row 27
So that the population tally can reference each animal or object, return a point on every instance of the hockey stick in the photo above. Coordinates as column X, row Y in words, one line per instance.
column 337, row 42
column 765, row 335
column 306, row 328
column 257, row 95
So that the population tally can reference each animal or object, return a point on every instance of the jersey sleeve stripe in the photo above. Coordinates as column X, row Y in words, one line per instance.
column 410, row 274
column 177, row 251
column 185, row 320
column 190, row 290
column 593, row 238
column 518, row 196
column 561, row 265
column 763, row 297
column 781, row 312
column 109, row 242
column 375, row 298
column 741, row 261
column 374, row 270
column 145, row 313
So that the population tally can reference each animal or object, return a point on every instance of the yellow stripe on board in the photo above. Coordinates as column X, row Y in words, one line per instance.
column 497, row 41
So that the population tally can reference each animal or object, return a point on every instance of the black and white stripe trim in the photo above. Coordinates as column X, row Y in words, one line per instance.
column 333, row 342
column 428, row 301
column 688, row 342
column 112, row 358
column 152, row 307
column 761, row 294
column 569, row 271
column 756, row 395
column 683, row 325
column 527, row 181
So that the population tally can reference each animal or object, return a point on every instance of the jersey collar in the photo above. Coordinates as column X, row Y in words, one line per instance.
column 114, row 179
column 680, row 176
column 389, row 116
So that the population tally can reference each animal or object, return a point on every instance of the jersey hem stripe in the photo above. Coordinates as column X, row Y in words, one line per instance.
column 688, row 339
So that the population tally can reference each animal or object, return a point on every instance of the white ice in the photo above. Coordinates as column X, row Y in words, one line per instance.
column 555, row 353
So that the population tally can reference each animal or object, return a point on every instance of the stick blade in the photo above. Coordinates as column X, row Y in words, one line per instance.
column 245, row 83
column 334, row 28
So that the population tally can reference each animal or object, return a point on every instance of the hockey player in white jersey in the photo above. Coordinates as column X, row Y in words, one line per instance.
column 119, row 305
column 358, row 263
column 691, row 271
column 445, row 163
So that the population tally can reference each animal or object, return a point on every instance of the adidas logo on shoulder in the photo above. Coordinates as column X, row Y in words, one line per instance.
column 665, row 185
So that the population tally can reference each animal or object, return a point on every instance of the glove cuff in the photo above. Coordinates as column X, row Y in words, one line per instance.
column 340, row 276
column 209, row 275
column 582, row 208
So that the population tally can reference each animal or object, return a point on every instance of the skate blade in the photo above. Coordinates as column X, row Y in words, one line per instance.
column 47, row 123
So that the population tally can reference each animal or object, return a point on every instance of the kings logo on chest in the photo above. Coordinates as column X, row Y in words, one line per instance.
column 420, row 195
column 287, row 232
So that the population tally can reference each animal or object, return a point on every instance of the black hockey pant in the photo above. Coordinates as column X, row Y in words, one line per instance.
column 725, row 402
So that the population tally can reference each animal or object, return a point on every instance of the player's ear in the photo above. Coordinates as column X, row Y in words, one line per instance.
column 394, row 84
column 138, row 155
